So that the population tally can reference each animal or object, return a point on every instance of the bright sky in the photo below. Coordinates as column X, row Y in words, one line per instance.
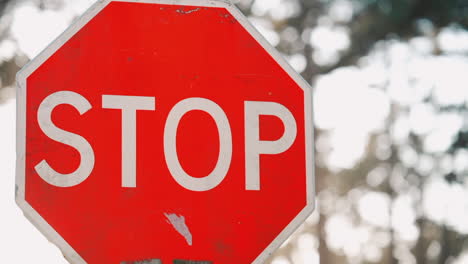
column 32, row 30
column 20, row 241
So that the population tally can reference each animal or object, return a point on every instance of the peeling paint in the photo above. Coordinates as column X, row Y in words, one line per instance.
column 178, row 222
column 148, row 261
column 182, row 11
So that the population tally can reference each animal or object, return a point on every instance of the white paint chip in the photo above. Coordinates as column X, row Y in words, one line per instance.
column 182, row 11
column 178, row 222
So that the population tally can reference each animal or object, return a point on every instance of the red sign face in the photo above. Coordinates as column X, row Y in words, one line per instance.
column 151, row 132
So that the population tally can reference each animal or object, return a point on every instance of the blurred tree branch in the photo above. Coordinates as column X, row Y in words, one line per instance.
column 3, row 4
column 7, row 68
column 376, row 23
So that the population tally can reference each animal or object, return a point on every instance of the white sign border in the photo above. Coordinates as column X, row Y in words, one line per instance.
column 34, row 217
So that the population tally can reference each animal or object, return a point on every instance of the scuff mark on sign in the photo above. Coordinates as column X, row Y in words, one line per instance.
column 179, row 261
column 148, row 261
column 182, row 11
column 228, row 2
column 178, row 222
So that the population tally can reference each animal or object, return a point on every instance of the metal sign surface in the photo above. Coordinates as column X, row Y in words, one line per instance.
column 164, row 131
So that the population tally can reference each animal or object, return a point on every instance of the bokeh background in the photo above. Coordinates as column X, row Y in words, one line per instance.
column 390, row 80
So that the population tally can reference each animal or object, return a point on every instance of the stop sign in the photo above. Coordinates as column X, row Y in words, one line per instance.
column 161, row 131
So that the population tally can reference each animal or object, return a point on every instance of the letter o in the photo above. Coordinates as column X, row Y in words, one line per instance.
column 218, row 174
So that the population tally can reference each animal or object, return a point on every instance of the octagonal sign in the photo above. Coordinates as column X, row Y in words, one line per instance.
column 164, row 131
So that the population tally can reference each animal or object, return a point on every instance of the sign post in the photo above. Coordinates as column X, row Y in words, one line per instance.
column 162, row 131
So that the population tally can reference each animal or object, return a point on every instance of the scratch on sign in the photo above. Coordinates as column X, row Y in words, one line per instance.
column 150, row 261
column 182, row 11
column 178, row 222
column 178, row 261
